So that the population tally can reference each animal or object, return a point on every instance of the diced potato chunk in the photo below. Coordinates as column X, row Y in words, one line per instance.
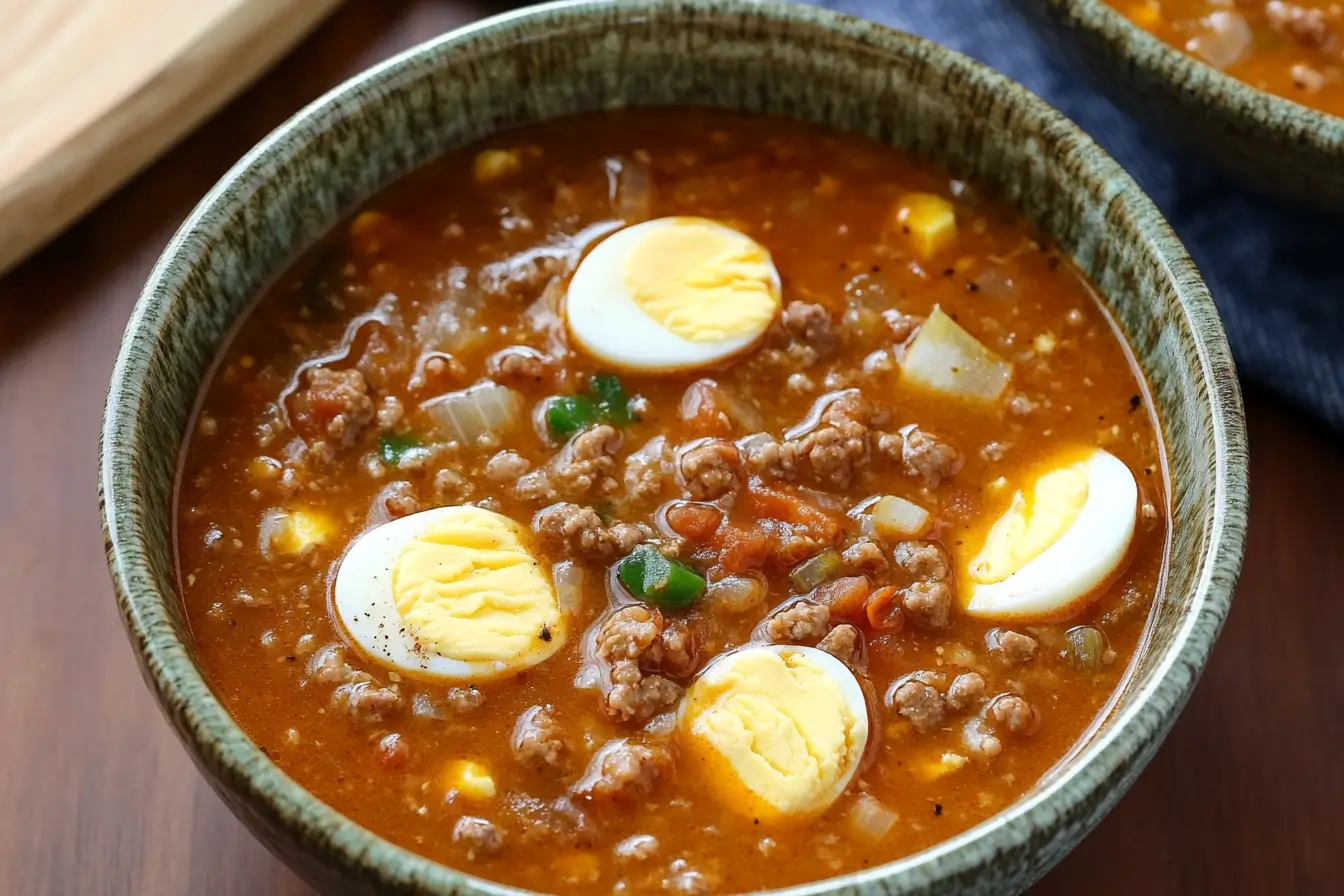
column 945, row 358
column 494, row 164
column 1044, row 343
column 293, row 533
column 897, row 519
column 577, row 867
column 928, row 222
column 945, row 765
column 368, row 232
column 470, row 779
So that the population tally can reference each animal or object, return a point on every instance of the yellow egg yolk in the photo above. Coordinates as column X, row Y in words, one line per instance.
column 775, row 733
column 703, row 282
column 1028, row 527
column 468, row 589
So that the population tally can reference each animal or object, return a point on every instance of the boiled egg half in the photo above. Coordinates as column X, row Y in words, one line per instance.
column 448, row 593
column 672, row 294
column 777, row 731
column 1059, row 542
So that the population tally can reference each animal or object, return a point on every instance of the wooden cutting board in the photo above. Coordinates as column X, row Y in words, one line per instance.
column 91, row 91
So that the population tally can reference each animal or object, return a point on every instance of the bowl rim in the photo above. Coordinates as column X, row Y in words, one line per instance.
column 1244, row 102
column 1112, row 758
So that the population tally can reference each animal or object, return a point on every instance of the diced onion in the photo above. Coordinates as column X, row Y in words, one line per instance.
column 569, row 581
column 738, row 594
column 870, row 819
column 898, row 519
column 1227, row 39
column 484, row 409
column 811, row 573
column 423, row 706
column 945, row 358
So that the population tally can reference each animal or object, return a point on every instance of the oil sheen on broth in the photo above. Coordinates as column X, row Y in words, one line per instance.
column 672, row 500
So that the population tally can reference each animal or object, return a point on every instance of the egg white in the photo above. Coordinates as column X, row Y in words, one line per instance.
column 1052, row 585
column 608, row 324
column 835, row 670
column 364, row 604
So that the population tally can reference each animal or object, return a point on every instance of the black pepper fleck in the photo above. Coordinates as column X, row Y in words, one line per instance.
column 937, row 808
column 546, row 633
column 972, row 286
column 1134, row 402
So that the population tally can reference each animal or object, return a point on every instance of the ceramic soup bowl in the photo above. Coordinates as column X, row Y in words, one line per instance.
column 765, row 57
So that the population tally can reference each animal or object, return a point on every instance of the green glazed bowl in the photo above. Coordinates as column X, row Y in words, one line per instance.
column 1273, row 145
column 766, row 57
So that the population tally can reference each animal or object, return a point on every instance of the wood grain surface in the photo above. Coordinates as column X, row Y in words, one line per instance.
column 96, row 796
column 92, row 90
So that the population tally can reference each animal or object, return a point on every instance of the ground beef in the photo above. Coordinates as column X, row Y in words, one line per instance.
column 811, row 325
column 637, row 848
column 979, row 741
column 334, row 406
column 845, row 643
column 709, row 469
column 518, row 365
column 801, row 622
column 1014, row 713
column 578, row 533
column 506, row 466
column 636, row 642
column 1011, row 646
column 479, row 836
column 464, row 700
column 366, row 700
column 928, row 458
column 586, row 462
column 649, row 470
column 327, row 665
column 624, row 770
column 549, row 823
column 1308, row 28
column 865, row 558
column 761, row 455
column 928, row 604
column 917, row 701
column 922, row 560
column 389, row 414
column 902, row 326
column 966, row 690
column 397, row 499
column 519, row 278
column 539, row 742
column 451, row 487
column 831, row 454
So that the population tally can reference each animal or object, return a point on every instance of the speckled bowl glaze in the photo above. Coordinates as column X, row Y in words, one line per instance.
column 1274, row 145
column 769, row 57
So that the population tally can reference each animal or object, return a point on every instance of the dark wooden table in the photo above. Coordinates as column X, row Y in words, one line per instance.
column 96, row 796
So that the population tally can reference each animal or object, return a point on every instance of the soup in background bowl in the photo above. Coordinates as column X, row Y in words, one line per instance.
column 1248, row 87
column 673, row 498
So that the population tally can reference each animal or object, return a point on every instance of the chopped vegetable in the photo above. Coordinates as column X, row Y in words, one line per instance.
column 883, row 610
column 1227, row 40
column 929, row 223
column 469, row 779
column 870, row 819
column 613, row 405
column 694, row 522
column 484, row 409
column 741, row 547
column 292, row 533
column 1087, row 648
column 811, row 573
column 393, row 446
column 845, row 597
column 738, row 594
column 653, row 578
column 569, row 580
column 491, row 165
column 606, row 401
column 945, row 358
column 898, row 519
column 568, row 414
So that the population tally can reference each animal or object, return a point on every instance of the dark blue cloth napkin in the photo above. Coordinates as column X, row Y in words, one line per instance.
column 1276, row 274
